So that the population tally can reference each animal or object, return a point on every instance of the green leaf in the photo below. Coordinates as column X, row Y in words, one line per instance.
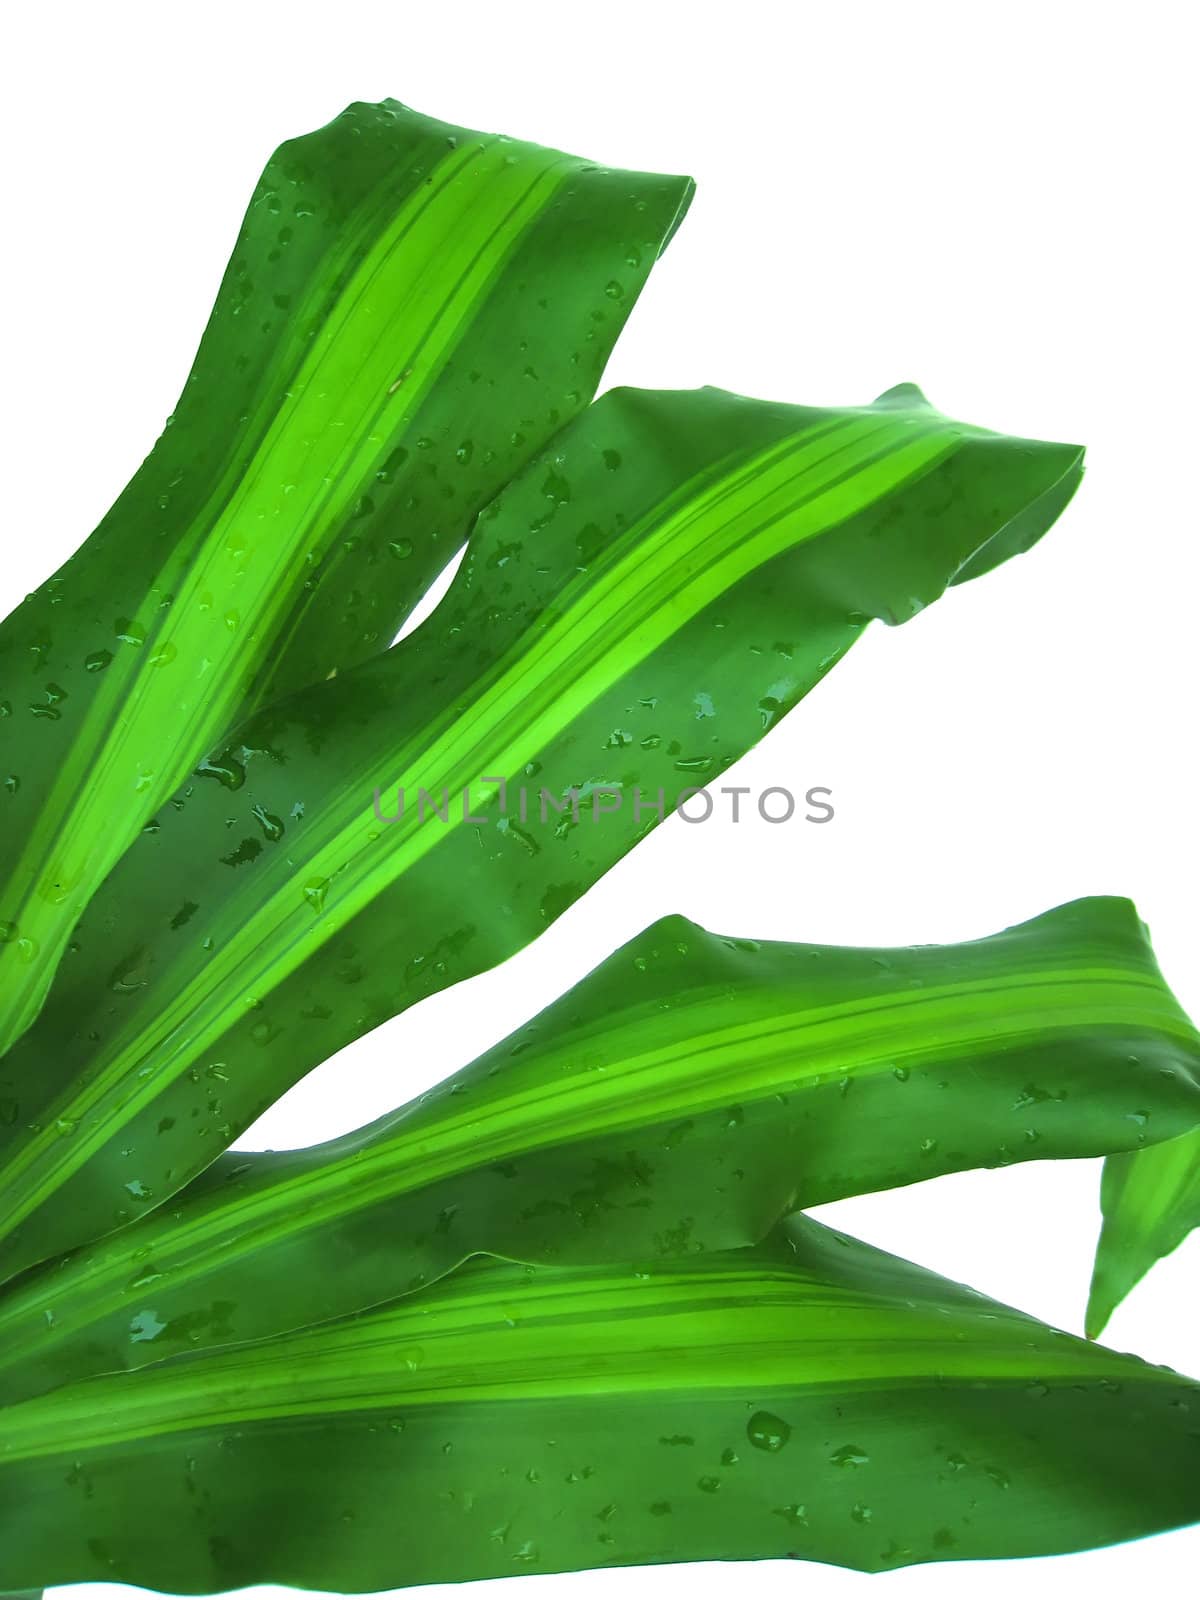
column 636, row 609
column 684, row 1097
column 1151, row 1202
column 812, row 1397
column 411, row 311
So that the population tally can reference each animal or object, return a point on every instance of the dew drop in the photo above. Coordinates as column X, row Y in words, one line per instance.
column 766, row 1431
column 315, row 891
column 230, row 774
column 130, row 978
column 144, row 1327
column 796, row 1515
column 270, row 824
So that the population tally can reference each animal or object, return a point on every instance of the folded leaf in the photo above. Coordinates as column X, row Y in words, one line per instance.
column 684, row 1097
column 411, row 310
column 636, row 609
column 812, row 1398
column 1151, row 1202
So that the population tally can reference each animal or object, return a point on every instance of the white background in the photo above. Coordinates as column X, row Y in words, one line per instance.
column 994, row 201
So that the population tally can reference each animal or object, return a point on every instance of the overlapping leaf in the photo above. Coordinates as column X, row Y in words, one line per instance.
column 636, row 609
column 1151, row 1202
column 411, row 310
column 684, row 1097
column 811, row 1397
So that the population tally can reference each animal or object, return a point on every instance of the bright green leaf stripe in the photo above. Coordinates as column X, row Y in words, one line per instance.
column 813, row 1397
column 683, row 1097
column 406, row 299
column 667, row 581
column 1151, row 1202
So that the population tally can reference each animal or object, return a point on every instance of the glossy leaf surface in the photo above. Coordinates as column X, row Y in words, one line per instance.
column 635, row 610
column 1151, row 1202
column 411, row 310
column 812, row 1397
column 684, row 1097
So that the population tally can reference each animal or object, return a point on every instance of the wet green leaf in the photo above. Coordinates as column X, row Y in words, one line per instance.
column 412, row 309
column 1151, row 1202
column 811, row 1397
column 682, row 1098
column 679, row 567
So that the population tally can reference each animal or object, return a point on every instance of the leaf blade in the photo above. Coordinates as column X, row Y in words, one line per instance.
column 376, row 367
column 774, row 1402
column 727, row 524
column 1150, row 1202
column 683, row 1097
